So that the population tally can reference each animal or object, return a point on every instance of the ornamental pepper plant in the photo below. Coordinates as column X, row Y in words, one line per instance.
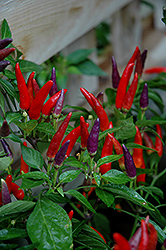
column 86, row 178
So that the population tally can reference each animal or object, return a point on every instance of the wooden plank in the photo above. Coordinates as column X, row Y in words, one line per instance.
column 42, row 28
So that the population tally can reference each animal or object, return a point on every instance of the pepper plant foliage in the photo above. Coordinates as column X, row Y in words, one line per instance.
column 79, row 170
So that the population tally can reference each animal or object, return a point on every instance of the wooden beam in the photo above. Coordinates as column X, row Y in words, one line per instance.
column 42, row 28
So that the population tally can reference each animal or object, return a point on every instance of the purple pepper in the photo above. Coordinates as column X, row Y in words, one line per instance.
column 54, row 88
column 115, row 74
column 59, row 105
column 129, row 163
column 3, row 65
column 143, row 57
column 92, row 142
column 7, row 149
column 4, row 129
column 5, row 193
column 60, row 156
column 144, row 100
column 100, row 97
column 164, row 245
column 5, row 42
column 138, row 66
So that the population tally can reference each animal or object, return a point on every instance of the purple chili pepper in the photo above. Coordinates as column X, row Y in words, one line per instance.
column 143, row 57
column 138, row 66
column 144, row 100
column 54, row 88
column 5, row 42
column 60, row 156
column 100, row 97
column 59, row 105
column 7, row 149
column 4, row 129
column 115, row 74
column 5, row 193
column 92, row 142
column 164, row 245
column 129, row 163
column 3, row 65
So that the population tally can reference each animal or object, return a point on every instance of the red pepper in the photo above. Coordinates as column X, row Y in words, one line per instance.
column 18, row 193
column 50, row 104
column 107, row 150
column 158, row 142
column 88, row 97
column 141, row 177
column 119, row 150
column 37, row 104
column 138, row 66
column 57, row 138
column 138, row 152
column 9, row 182
column 99, row 234
column 22, row 87
column 129, row 96
column 121, row 242
column 155, row 70
column 30, row 86
column 121, row 90
column 148, row 143
column 144, row 236
column 152, row 237
column 35, row 87
column 24, row 168
column 5, row 52
column 70, row 214
column 84, row 133
column 134, row 55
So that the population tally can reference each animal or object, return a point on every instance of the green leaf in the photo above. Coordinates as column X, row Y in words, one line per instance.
column 28, row 183
column 107, row 159
column 116, row 177
column 128, row 129
column 73, row 162
column 144, row 171
column 8, row 87
column 144, row 123
column 9, row 74
column 5, row 30
column 2, row 103
column 36, row 175
column 73, row 70
column 27, row 66
column 87, row 67
column 4, row 163
column 78, row 56
column 97, row 178
column 49, row 225
column 28, row 247
column 60, row 191
column 105, row 196
column 46, row 128
column 135, row 145
column 32, row 157
column 14, row 138
column 27, row 126
column 7, row 246
column 111, row 130
column 77, row 108
column 57, row 198
column 69, row 176
column 12, row 233
column 127, row 193
column 118, row 114
column 13, row 116
column 111, row 95
column 81, row 198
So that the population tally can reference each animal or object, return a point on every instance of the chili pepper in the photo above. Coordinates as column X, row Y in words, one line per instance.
column 99, row 234
column 4, row 129
column 59, row 105
column 134, row 55
column 152, row 242
column 155, row 70
column 84, row 133
column 121, row 90
column 148, row 143
column 3, row 65
column 107, row 150
column 144, row 236
column 5, row 193
column 88, row 97
column 144, row 100
column 115, row 74
column 70, row 214
column 7, row 149
column 37, row 104
column 164, row 245
column 119, row 151
column 54, row 88
column 61, row 154
column 9, row 182
column 92, row 142
column 143, row 57
column 141, row 177
column 138, row 152
column 129, row 163
column 30, row 86
column 17, row 192
column 129, row 96
column 5, row 42
column 22, row 87
column 100, row 97
column 121, row 242
column 100, row 112
column 138, row 66
column 57, row 138
column 50, row 104
column 35, row 87
column 5, row 52
column 24, row 168
column 158, row 142
column 0, row 198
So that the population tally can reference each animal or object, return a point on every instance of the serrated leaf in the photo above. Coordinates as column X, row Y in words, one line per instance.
column 27, row 66
column 107, row 159
column 4, row 163
column 8, row 87
column 69, row 176
column 46, row 128
column 105, row 196
column 12, row 233
column 49, row 225
column 12, row 116
column 128, row 129
column 5, row 30
column 78, row 56
column 81, row 198
column 87, row 67
column 27, row 126
column 116, row 177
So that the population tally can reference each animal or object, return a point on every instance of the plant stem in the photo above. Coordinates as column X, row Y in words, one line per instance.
column 77, row 210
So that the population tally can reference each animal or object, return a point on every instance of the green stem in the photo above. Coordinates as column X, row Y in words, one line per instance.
column 134, row 227
column 55, row 123
column 77, row 210
column 48, row 168
column 55, row 177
